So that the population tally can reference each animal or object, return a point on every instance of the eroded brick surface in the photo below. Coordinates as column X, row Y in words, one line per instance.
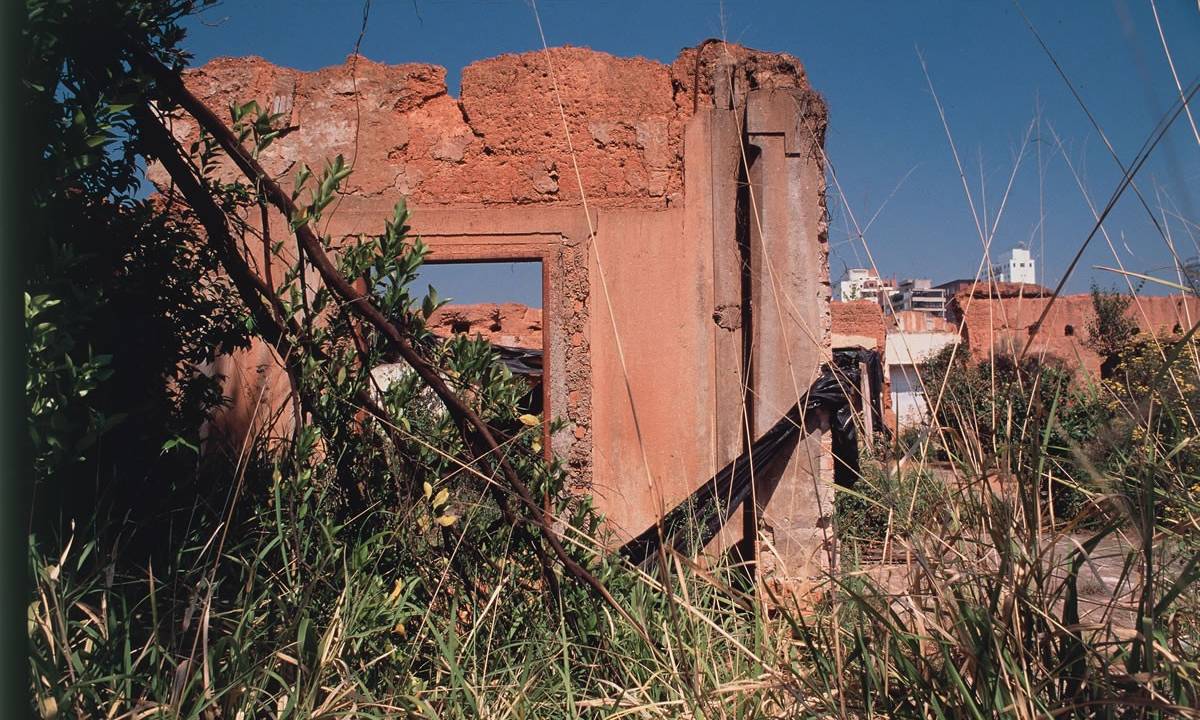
column 507, row 324
column 502, row 142
column 858, row 319
column 1004, row 325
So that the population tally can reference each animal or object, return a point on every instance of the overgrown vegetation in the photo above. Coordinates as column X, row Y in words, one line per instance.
column 373, row 563
column 1002, row 417
column 1053, row 567
column 1111, row 331
column 885, row 502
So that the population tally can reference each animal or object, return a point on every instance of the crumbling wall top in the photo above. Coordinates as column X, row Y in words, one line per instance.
column 696, row 73
column 502, row 141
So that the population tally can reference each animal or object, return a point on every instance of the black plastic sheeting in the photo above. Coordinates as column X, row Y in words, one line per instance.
column 522, row 362
column 841, row 387
column 692, row 524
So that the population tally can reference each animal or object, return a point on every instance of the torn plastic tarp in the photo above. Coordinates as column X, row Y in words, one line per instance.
column 523, row 362
column 691, row 524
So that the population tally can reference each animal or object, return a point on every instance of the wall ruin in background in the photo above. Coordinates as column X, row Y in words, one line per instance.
column 1003, row 325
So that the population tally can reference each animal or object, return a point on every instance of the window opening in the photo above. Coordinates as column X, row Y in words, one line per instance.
column 500, row 302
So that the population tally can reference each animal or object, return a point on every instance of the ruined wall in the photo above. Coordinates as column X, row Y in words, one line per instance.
column 915, row 321
column 692, row 172
column 862, row 323
column 507, row 324
column 858, row 322
column 1003, row 325
column 500, row 142
column 984, row 288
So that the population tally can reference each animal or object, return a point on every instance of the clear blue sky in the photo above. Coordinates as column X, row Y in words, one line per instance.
column 885, row 137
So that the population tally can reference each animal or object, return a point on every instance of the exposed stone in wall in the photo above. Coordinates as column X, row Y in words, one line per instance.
column 571, row 268
column 507, row 324
column 755, row 70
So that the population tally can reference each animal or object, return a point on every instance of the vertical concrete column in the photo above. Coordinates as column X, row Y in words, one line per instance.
column 712, row 158
column 790, row 338
column 711, row 149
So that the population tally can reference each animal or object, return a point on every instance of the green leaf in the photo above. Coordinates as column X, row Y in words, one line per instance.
column 178, row 442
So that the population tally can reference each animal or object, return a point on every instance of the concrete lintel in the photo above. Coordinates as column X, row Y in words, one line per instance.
column 367, row 215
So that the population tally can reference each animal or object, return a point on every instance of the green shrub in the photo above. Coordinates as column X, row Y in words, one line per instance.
column 887, row 502
column 1026, row 419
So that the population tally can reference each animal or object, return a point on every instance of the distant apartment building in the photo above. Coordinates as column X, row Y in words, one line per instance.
column 862, row 284
column 1015, row 266
column 919, row 296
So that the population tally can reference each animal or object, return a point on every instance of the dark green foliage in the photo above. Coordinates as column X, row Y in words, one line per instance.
column 888, row 502
column 123, row 302
column 1111, row 331
column 1028, row 418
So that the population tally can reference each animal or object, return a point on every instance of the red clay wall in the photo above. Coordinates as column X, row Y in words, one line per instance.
column 502, row 140
column 1003, row 325
column 915, row 321
column 636, row 362
column 858, row 319
column 507, row 324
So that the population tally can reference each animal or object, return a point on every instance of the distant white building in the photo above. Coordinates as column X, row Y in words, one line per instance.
column 862, row 284
column 919, row 295
column 904, row 354
column 1015, row 266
